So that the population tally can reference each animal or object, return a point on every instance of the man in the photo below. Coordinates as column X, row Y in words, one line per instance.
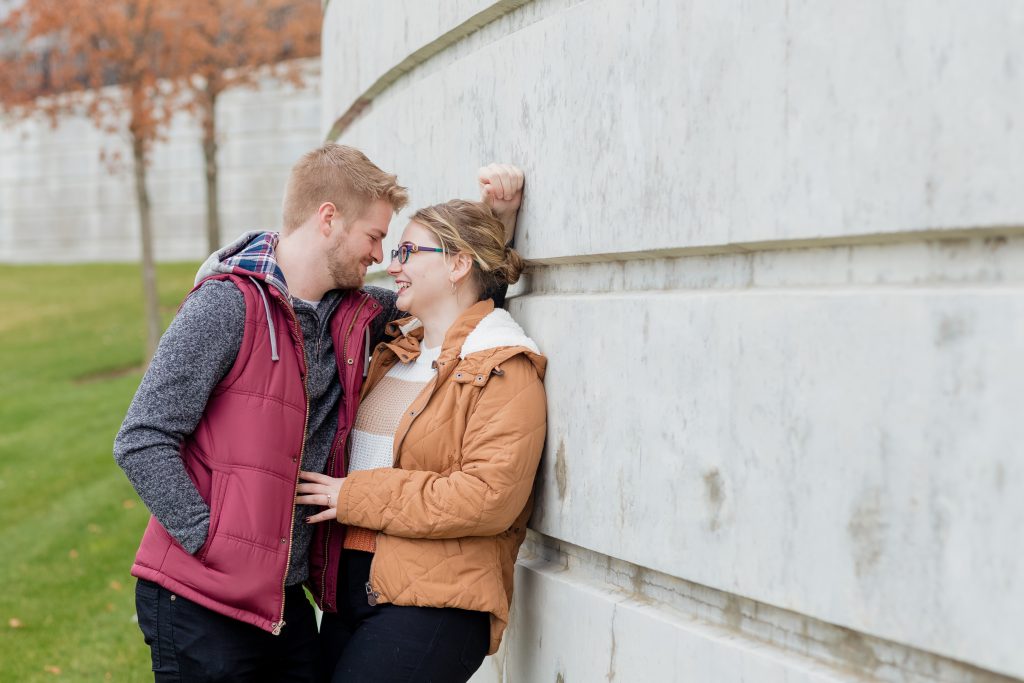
column 258, row 377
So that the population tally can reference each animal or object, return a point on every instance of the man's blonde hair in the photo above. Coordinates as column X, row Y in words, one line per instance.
column 343, row 176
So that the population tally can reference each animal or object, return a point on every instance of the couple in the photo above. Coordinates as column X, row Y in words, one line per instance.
column 292, row 429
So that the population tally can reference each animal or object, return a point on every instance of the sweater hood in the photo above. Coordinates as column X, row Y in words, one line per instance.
column 250, row 255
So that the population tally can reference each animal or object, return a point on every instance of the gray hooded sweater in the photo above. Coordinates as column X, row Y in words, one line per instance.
column 197, row 350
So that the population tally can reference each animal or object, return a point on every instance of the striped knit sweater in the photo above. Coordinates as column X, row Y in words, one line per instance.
column 373, row 436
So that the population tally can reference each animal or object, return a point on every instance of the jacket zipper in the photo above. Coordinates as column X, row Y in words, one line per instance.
column 428, row 390
column 302, row 450
column 334, row 453
column 372, row 596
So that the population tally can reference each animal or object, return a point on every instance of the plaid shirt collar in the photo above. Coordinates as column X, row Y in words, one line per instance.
column 256, row 258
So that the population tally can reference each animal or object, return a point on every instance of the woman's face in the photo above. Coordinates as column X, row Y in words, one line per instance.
column 423, row 280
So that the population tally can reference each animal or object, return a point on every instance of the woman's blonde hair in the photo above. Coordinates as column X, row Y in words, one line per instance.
column 472, row 228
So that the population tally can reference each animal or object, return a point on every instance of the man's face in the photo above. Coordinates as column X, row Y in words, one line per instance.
column 357, row 245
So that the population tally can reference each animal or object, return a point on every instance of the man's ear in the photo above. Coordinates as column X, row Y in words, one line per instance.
column 325, row 214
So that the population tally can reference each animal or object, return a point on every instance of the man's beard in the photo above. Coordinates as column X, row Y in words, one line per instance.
column 346, row 271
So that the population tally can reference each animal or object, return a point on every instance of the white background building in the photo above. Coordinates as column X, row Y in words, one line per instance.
column 60, row 202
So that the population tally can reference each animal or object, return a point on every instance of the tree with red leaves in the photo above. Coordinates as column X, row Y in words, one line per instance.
column 131, row 65
column 110, row 60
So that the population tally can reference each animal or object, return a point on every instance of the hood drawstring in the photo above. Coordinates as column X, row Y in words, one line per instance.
column 270, row 320
column 366, row 352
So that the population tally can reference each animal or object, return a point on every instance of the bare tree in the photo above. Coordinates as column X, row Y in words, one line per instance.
column 115, row 62
column 237, row 43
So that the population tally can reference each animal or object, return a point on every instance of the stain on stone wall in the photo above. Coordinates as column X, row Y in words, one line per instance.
column 714, row 491
column 561, row 471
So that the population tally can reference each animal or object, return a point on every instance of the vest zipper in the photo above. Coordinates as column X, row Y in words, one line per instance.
column 334, row 452
column 302, row 450
column 327, row 538
column 327, row 544
column 344, row 351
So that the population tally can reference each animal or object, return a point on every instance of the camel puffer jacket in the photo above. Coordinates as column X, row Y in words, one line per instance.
column 452, row 513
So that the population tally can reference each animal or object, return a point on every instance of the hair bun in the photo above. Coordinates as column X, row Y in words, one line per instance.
column 511, row 268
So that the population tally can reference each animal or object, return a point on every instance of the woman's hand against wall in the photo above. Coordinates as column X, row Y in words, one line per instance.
column 501, row 188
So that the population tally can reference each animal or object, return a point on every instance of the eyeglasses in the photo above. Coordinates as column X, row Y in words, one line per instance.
column 406, row 248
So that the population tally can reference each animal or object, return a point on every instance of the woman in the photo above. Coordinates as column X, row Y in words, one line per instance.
column 441, row 462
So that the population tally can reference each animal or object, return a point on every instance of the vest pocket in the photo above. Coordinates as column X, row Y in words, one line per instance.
column 216, row 503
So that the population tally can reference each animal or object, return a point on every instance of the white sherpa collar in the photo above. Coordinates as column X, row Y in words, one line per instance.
column 413, row 324
column 497, row 328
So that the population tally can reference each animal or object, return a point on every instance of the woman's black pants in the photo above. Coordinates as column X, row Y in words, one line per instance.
column 393, row 643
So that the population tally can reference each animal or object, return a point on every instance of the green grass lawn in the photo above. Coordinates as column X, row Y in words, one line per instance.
column 70, row 351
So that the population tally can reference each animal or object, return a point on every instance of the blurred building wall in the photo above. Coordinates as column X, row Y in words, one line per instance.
column 778, row 272
column 60, row 202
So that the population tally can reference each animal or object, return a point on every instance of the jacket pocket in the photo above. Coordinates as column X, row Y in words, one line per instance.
column 219, row 485
column 452, row 547
column 450, row 462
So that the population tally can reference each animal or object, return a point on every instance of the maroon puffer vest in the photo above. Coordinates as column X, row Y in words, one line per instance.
column 244, row 456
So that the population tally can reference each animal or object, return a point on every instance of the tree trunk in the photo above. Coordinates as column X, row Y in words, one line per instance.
column 209, row 124
column 151, row 301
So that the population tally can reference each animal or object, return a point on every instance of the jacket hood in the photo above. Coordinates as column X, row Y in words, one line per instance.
column 495, row 330
column 250, row 255
column 483, row 335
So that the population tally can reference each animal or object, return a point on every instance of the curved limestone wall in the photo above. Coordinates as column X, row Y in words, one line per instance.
column 778, row 260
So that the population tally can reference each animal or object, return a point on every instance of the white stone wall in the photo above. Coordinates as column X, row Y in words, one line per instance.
column 778, row 257
column 60, row 201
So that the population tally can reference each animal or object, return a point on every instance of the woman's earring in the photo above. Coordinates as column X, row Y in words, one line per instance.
column 453, row 286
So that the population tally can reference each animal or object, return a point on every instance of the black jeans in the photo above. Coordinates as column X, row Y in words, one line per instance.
column 392, row 643
column 191, row 643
